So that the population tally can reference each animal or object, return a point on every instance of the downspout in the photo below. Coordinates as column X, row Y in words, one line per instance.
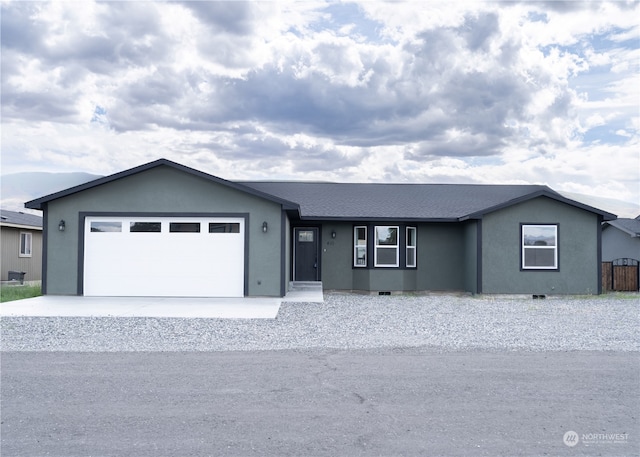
column 479, row 257
column 45, row 243
column 599, row 255
column 81, row 247
column 283, row 253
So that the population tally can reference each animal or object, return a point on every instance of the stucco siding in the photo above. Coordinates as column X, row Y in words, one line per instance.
column 389, row 280
column 617, row 244
column 440, row 257
column 384, row 280
column 165, row 190
column 440, row 261
column 577, row 250
column 337, row 256
column 11, row 260
column 470, row 263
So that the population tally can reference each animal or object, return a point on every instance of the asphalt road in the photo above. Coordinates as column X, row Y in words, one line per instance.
column 319, row 403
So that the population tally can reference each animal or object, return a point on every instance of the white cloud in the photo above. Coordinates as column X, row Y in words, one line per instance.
column 372, row 91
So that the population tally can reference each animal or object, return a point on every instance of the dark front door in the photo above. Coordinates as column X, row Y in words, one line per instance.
column 305, row 261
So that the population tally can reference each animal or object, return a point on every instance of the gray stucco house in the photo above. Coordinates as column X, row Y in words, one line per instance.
column 163, row 229
column 21, row 239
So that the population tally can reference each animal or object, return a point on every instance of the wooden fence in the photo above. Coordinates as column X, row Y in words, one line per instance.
column 620, row 275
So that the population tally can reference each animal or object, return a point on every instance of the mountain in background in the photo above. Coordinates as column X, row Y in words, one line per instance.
column 19, row 188
column 620, row 208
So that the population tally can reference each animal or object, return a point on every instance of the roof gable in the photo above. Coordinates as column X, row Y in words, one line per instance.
column 38, row 202
column 544, row 191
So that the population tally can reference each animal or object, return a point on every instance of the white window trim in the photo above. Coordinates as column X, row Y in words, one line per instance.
column 28, row 244
column 555, row 248
column 355, row 246
column 382, row 246
column 413, row 247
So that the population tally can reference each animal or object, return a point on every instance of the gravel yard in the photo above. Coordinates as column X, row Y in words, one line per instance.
column 351, row 321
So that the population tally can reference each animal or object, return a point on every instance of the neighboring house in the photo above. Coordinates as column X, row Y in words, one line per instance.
column 21, row 236
column 163, row 229
column 621, row 239
column 621, row 254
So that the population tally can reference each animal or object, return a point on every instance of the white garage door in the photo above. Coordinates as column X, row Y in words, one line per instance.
column 164, row 256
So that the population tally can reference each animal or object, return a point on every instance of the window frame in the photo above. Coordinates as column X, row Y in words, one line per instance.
column 356, row 246
column 145, row 227
column 27, row 245
column 305, row 235
column 377, row 246
column 555, row 247
column 227, row 227
column 185, row 227
column 413, row 247
column 97, row 226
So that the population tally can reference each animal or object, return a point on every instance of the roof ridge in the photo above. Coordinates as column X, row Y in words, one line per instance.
column 271, row 181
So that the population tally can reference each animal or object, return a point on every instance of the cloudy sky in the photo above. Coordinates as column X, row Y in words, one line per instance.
column 444, row 92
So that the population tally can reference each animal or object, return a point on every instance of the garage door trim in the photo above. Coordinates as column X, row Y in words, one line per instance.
column 81, row 235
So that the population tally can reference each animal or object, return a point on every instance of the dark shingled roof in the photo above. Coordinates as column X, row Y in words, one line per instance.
column 17, row 218
column 630, row 226
column 326, row 201
column 402, row 201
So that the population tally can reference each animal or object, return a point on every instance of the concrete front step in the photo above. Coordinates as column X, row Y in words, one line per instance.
column 305, row 285
column 304, row 291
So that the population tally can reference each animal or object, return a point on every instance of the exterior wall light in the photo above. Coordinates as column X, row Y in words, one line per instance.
column 61, row 225
column 265, row 227
column 333, row 234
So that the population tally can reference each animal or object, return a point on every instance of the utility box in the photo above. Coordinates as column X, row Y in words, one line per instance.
column 17, row 276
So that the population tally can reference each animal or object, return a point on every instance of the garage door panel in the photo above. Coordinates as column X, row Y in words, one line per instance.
column 167, row 285
column 165, row 264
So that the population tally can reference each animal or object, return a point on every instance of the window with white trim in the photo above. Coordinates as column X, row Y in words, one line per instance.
column 360, row 246
column 411, row 247
column 386, row 252
column 539, row 247
column 25, row 244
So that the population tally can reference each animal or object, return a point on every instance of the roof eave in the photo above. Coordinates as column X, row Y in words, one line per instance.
column 374, row 219
column 20, row 226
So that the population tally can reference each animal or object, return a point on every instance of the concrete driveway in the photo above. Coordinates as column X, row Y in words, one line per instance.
column 180, row 307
